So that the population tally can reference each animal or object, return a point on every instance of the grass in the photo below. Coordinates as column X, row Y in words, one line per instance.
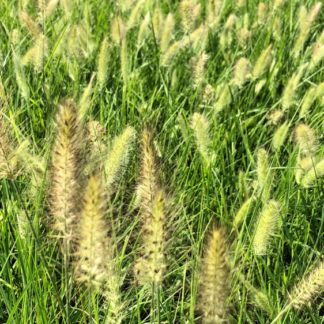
column 35, row 286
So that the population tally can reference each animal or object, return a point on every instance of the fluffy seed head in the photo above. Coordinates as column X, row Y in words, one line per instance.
column 280, row 136
column 242, row 72
column 92, row 235
column 306, row 290
column 243, row 212
column 199, row 69
column 262, row 63
column 189, row 12
column 313, row 174
column 266, row 226
column 103, row 63
column 65, row 172
column 118, row 30
column 150, row 266
column 276, row 116
column 118, row 155
column 144, row 29
column 264, row 174
column 167, row 32
column 262, row 13
column 305, row 139
column 215, row 273
column 200, row 126
column 291, row 87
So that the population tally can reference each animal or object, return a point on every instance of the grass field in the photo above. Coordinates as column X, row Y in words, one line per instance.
column 161, row 161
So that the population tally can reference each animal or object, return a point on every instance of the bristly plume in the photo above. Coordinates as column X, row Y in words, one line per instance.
column 65, row 172
column 8, row 153
column 266, row 226
column 242, row 72
column 103, row 63
column 264, row 175
column 118, row 155
column 200, row 127
column 262, row 63
column 151, row 264
column 243, row 212
column 313, row 174
column 167, row 32
column 280, row 136
column 215, row 277
column 306, row 290
column 305, row 139
column 289, row 93
column 189, row 12
column 92, row 238
column 199, row 69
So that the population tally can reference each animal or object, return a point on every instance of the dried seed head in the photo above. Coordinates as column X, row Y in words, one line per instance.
column 65, row 172
column 189, row 12
column 280, row 136
column 92, row 246
column 308, row 288
column 167, row 32
column 200, row 126
column 215, row 277
column 118, row 155
column 242, row 72
column 305, row 139
column 266, row 226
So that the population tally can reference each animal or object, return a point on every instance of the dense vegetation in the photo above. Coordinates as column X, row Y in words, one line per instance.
column 161, row 161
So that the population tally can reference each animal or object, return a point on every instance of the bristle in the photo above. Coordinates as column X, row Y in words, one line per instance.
column 200, row 126
column 243, row 212
column 262, row 13
column 112, row 291
column 214, row 289
column 306, row 290
column 118, row 30
column 280, row 136
column 21, row 78
column 151, row 264
column 148, row 184
column 242, row 72
column 8, row 164
column 199, row 69
column 313, row 174
column 304, row 165
column 291, row 87
column 167, row 32
column 103, row 63
column 135, row 14
column 30, row 24
column 50, row 8
column 65, row 172
column 305, row 139
column 262, row 63
column 37, row 53
column 264, row 174
column 224, row 96
column 85, row 100
column 124, row 60
column 158, row 22
column 92, row 241
column 144, row 29
column 189, row 12
column 308, row 100
column 214, row 8
column 306, row 19
column 118, row 155
column 266, row 226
